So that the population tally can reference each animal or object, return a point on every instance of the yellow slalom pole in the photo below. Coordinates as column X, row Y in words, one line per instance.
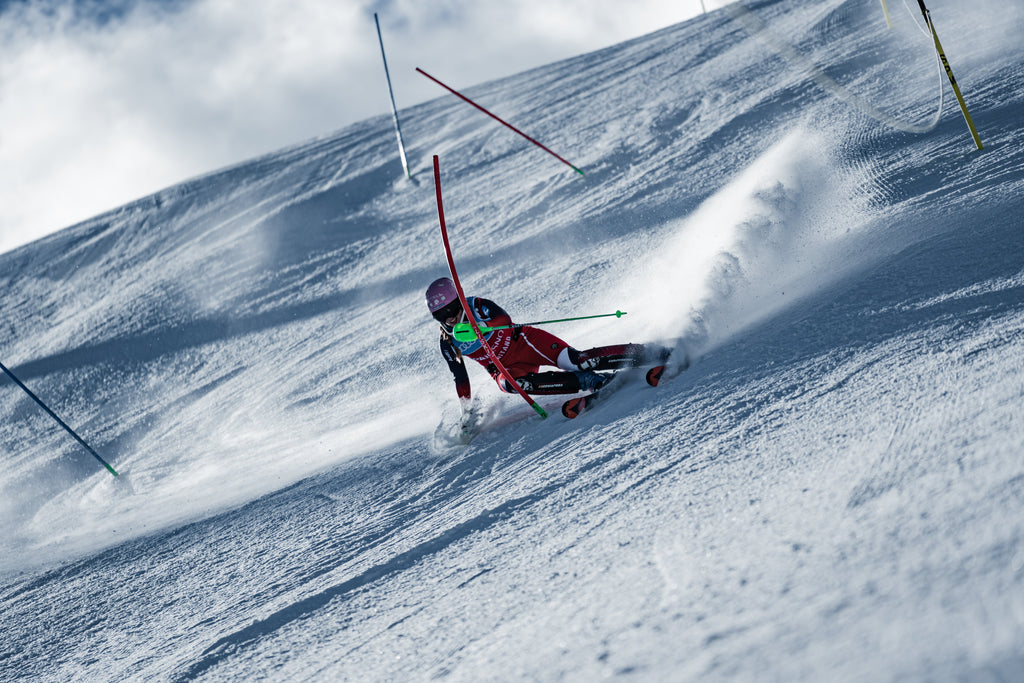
column 887, row 19
column 949, row 74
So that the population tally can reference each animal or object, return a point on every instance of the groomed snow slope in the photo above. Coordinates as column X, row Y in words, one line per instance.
column 834, row 490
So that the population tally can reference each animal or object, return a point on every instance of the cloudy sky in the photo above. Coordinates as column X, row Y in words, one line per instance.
column 102, row 102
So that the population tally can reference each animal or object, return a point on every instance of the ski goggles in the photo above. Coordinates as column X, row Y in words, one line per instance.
column 453, row 309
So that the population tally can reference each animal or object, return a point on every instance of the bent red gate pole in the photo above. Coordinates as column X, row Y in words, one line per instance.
column 465, row 304
column 504, row 123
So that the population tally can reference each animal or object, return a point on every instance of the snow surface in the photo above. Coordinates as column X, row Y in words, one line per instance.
column 834, row 490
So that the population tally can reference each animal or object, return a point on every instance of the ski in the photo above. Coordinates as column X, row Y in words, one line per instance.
column 667, row 370
column 575, row 407
column 578, row 405
column 655, row 374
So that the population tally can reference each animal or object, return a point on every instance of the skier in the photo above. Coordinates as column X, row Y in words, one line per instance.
column 523, row 350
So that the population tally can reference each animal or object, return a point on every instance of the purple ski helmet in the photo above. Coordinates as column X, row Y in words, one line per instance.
column 441, row 293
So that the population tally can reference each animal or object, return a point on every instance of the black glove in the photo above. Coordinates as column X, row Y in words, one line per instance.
column 516, row 331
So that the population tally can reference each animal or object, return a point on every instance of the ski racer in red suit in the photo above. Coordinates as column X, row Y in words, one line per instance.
column 523, row 350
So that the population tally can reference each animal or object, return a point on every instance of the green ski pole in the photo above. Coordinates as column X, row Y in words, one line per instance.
column 463, row 332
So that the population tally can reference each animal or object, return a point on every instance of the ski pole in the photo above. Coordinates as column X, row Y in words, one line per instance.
column 463, row 332
column 59, row 421
column 949, row 74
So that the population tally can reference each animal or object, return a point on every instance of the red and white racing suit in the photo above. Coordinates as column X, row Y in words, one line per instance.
column 523, row 350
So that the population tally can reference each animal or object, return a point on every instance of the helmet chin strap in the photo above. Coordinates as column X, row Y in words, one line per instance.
column 450, row 328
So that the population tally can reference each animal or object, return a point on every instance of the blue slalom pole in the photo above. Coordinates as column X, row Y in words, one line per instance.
column 391, row 93
column 59, row 421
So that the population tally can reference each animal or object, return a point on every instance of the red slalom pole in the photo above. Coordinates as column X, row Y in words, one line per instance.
column 465, row 304
column 505, row 123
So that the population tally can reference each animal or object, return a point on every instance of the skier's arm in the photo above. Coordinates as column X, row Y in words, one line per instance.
column 491, row 313
column 457, row 366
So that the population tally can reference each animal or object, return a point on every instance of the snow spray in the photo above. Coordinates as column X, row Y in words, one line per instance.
column 759, row 30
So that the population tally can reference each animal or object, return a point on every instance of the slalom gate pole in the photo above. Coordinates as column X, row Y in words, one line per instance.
column 465, row 304
column 463, row 332
column 394, row 109
column 884, row 9
column 949, row 74
column 504, row 123
column 59, row 421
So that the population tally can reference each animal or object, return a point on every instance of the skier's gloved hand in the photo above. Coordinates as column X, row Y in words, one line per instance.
column 516, row 331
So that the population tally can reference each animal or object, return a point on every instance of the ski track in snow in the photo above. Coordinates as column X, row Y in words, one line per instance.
column 834, row 489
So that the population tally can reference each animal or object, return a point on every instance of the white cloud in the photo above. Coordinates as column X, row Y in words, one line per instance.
column 96, row 111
